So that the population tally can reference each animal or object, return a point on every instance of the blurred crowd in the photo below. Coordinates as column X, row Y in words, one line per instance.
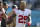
column 31, row 4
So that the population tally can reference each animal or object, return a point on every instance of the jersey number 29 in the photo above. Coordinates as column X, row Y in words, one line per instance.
column 22, row 18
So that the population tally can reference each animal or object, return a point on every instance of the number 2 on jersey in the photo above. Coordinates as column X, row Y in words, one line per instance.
column 22, row 18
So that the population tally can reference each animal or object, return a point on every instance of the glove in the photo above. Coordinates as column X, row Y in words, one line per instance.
column 28, row 24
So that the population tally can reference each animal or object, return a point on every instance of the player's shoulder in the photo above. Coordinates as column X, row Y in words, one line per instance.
column 28, row 10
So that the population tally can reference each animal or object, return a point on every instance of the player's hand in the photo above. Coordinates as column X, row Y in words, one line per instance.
column 28, row 24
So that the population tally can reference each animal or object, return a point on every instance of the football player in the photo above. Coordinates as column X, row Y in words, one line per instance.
column 22, row 15
column 3, row 24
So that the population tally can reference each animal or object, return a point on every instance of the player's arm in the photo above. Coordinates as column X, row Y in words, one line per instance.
column 3, row 13
column 12, row 15
column 14, row 12
column 29, row 20
column 4, row 16
column 10, row 18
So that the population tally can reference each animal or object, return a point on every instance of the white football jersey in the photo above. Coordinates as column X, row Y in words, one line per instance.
column 21, row 17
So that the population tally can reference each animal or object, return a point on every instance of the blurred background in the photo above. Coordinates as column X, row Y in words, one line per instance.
column 34, row 5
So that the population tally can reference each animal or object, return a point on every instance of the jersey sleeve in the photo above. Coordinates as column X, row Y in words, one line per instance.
column 29, row 11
